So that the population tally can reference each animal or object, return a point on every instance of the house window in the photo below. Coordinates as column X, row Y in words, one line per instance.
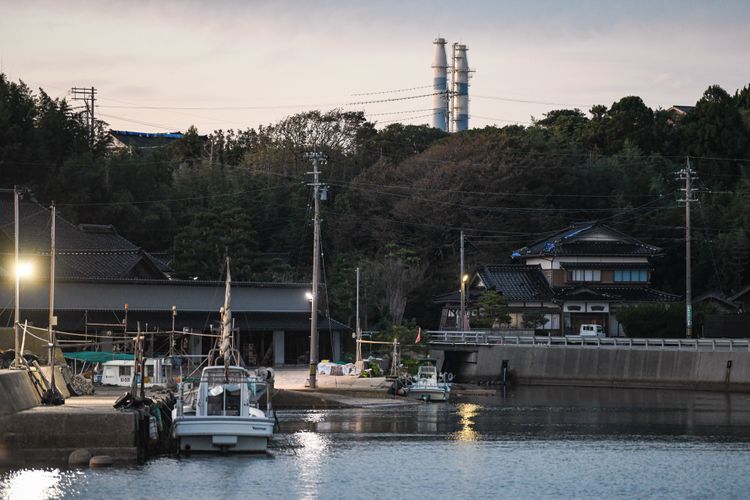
column 585, row 275
column 125, row 371
column 631, row 275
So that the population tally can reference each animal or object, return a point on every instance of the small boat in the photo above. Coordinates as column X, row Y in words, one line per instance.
column 223, row 412
column 427, row 386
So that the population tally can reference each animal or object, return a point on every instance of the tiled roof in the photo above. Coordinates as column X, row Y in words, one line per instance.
column 615, row 294
column 516, row 282
column 83, row 251
column 573, row 241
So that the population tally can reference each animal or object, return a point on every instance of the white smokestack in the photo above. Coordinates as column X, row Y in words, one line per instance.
column 440, row 84
column 460, row 111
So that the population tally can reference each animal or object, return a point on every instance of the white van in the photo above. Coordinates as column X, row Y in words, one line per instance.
column 591, row 331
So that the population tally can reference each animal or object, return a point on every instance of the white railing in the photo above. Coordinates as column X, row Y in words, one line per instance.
column 496, row 338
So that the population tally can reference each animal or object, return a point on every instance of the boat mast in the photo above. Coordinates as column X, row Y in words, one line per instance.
column 225, row 346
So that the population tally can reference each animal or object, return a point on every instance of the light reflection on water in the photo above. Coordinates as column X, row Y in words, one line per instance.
column 467, row 412
column 533, row 443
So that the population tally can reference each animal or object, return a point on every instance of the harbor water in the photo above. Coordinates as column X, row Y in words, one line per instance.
column 527, row 443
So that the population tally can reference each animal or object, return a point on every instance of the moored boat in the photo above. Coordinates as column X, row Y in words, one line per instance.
column 223, row 412
column 427, row 386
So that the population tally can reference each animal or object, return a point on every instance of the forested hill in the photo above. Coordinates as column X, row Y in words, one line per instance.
column 398, row 196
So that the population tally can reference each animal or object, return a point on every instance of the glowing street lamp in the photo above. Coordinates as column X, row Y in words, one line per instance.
column 24, row 270
column 464, row 281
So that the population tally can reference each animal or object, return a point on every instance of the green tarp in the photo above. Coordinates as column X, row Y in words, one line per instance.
column 98, row 357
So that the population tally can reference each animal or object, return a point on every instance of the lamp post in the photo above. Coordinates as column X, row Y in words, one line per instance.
column 313, row 338
column 171, row 334
column 464, row 280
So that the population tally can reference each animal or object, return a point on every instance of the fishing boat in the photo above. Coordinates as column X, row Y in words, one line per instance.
column 427, row 386
column 222, row 412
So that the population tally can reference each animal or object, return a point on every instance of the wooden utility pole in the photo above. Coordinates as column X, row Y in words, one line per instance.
column 317, row 159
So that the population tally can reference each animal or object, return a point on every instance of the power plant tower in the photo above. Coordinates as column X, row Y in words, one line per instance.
column 440, row 86
column 460, row 90
column 450, row 105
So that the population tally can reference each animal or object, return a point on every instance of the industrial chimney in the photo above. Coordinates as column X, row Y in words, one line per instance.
column 460, row 90
column 440, row 86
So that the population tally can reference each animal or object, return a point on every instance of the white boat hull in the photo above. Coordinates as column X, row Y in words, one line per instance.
column 429, row 393
column 219, row 433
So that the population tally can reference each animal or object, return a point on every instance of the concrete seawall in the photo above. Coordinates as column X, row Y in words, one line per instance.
column 611, row 367
column 17, row 392
column 30, row 433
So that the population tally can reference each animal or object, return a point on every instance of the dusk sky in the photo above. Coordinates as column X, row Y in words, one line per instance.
column 278, row 58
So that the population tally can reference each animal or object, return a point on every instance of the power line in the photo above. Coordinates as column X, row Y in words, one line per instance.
column 393, row 91
column 529, row 101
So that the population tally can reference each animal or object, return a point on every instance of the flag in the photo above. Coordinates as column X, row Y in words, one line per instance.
column 419, row 335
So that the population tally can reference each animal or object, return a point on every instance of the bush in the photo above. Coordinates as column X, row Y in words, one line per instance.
column 658, row 320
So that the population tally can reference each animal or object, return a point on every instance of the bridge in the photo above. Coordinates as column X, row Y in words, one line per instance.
column 480, row 356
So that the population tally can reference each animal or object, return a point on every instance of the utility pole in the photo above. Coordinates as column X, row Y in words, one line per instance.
column 52, row 318
column 462, row 307
column 17, row 312
column 88, row 96
column 688, row 175
column 358, row 360
column 317, row 159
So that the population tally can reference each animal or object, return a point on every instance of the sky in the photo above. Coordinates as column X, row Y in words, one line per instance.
column 247, row 63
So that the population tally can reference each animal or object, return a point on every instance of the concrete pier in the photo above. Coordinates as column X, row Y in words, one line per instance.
column 30, row 433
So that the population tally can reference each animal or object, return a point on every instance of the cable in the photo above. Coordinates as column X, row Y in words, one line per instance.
column 393, row 91
column 168, row 200
column 528, row 101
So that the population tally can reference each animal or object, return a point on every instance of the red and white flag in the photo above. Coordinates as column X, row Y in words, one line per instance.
column 419, row 335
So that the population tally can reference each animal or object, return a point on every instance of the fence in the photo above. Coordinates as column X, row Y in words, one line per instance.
column 438, row 338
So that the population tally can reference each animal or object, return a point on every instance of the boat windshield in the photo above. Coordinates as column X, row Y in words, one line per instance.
column 224, row 399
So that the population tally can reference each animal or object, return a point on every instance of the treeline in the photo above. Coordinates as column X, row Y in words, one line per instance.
column 397, row 197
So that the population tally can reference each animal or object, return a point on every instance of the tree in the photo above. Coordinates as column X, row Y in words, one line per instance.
column 533, row 319
column 492, row 310
column 394, row 276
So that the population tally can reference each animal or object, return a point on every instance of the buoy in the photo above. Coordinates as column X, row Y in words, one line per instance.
column 79, row 458
column 100, row 461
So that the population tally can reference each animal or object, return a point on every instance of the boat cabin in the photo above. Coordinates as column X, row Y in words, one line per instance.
column 229, row 393
column 120, row 372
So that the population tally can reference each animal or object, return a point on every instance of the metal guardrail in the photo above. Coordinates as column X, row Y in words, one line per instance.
column 491, row 338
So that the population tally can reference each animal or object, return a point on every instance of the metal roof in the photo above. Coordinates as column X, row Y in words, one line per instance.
column 158, row 296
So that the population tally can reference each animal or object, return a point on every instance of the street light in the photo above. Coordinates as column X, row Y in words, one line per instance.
column 24, row 270
column 464, row 280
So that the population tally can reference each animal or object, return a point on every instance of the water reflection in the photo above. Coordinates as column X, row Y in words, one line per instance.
column 31, row 484
column 311, row 454
column 467, row 412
